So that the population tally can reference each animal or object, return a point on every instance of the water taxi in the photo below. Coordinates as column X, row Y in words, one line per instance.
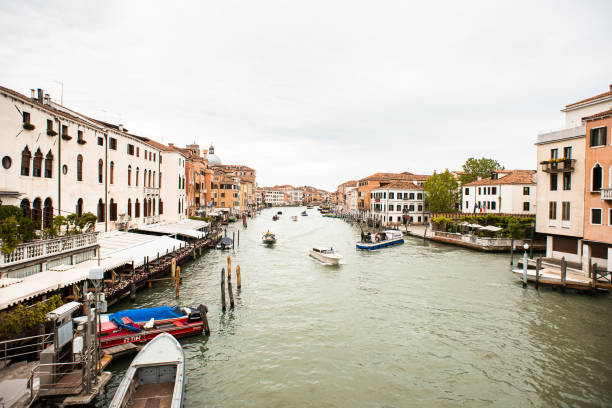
column 269, row 238
column 141, row 325
column 380, row 240
column 155, row 378
column 326, row 255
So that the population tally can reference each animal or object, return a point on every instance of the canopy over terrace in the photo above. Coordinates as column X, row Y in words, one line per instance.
column 116, row 248
column 187, row 228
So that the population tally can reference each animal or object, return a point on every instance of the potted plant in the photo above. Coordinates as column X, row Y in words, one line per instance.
column 51, row 132
column 28, row 126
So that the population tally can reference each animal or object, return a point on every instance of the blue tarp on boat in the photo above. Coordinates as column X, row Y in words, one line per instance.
column 144, row 315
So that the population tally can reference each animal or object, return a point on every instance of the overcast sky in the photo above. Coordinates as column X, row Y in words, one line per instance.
column 318, row 92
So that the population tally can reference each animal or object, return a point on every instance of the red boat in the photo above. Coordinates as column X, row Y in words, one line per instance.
column 121, row 328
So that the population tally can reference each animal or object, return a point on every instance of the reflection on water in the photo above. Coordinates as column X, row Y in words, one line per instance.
column 420, row 324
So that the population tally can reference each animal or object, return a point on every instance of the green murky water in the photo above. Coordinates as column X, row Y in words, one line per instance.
column 420, row 324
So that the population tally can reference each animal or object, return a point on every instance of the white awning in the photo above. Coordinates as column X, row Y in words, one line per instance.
column 492, row 228
column 174, row 228
column 116, row 248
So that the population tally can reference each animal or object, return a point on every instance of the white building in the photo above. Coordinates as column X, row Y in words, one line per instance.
column 273, row 197
column 505, row 192
column 57, row 162
column 397, row 201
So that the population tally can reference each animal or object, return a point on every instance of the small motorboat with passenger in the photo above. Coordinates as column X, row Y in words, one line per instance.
column 269, row 238
column 275, row 218
column 155, row 378
column 380, row 239
column 304, row 213
column 225, row 243
column 326, row 255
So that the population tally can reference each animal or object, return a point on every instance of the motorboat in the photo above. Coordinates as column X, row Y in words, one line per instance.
column 275, row 218
column 294, row 218
column 280, row 213
column 225, row 243
column 142, row 325
column 326, row 255
column 380, row 240
column 304, row 214
column 155, row 378
column 309, row 207
column 269, row 238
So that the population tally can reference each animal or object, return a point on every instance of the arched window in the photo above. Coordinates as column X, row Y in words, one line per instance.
column 144, row 177
column 179, row 179
column 112, row 172
column 137, row 209
column 129, row 208
column 25, row 207
column 149, row 181
column 48, row 213
column 100, row 171
column 137, row 175
column 153, row 180
column 79, row 168
column 160, row 179
column 153, row 212
column 37, row 164
column 101, row 210
column 26, row 156
column 49, row 165
column 179, row 206
column 129, row 175
column 161, row 206
column 37, row 212
column 145, row 208
column 112, row 210
column 79, row 208
column 597, row 177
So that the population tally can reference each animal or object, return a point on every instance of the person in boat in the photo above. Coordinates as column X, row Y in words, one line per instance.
column 362, row 237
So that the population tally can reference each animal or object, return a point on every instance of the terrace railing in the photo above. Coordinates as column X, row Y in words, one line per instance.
column 43, row 248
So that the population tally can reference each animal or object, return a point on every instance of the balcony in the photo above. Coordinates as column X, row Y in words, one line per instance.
column 151, row 190
column 606, row 193
column 154, row 219
column 558, row 166
column 44, row 248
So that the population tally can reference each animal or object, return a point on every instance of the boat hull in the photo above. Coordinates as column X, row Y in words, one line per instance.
column 378, row 245
column 144, row 336
column 328, row 260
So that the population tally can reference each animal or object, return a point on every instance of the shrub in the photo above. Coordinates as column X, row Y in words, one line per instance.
column 22, row 318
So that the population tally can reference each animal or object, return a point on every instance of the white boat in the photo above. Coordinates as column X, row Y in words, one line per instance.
column 380, row 240
column 155, row 378
column 326, row 255
column 294, row 218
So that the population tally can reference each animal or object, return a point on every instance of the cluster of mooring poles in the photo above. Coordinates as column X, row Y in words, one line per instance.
column 229, row 284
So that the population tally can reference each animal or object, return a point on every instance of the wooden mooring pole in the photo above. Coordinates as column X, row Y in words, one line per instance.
column 525, row 270
column 203, row 311
column 538, row 267
column 173, row 269
column 229, row 289
column 238, row 237
column 178, row 280
column 563, row 273
column 238, row 279
column 223, row 307
column 593, row 275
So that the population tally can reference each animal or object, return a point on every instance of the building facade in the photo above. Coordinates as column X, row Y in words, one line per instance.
column 505, row 192
column 397, row 203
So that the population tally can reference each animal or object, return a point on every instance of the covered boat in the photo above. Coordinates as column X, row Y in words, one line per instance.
column 304, row 213
column 269, row 238
column 142, row 325
column 326, row 255
column 380, row 240
column 155, row 378
column 225, row 243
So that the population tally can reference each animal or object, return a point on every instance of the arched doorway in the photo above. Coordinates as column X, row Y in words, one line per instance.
column 79, row 208
column 48, row 213
column 37, row 212
column 25, row 207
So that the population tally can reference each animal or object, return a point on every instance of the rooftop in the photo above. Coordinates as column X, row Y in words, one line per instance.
column 510, row 177
column 604, row 95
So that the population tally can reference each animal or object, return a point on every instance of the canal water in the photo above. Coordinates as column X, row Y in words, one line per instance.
column 422, row 324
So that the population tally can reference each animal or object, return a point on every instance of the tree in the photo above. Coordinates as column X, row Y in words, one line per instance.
column 88, row 222
column 441, row 192
column 9, row 235
column 474, row 168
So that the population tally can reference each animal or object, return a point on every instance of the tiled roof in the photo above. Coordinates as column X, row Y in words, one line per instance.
column 401, row 185
column 405, row 176
column 592, row 98
column 513, row 177
column 599, row 115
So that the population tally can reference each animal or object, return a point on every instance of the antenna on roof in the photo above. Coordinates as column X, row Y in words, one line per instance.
column 62, row 98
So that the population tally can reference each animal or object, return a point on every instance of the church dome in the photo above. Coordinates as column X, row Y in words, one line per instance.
column 213, row 159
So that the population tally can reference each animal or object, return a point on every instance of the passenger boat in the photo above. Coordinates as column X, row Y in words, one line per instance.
column 269, row 238
column 293, row 218
column 225, row 243
column 275, row 218
column 155, row 378
column 142, row 325
column 280, row 213
column 310, row 207
column 304, row 214
column 326, row 255
column 380, row 240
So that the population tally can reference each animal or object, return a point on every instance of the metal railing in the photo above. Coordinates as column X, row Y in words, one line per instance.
column 606, row 193
column 566, row 165
column 43, row 248
column 24, row 346
column 154, row 219
column 151, row 190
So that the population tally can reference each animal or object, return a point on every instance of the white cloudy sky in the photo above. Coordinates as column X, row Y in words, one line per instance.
column 318, row 92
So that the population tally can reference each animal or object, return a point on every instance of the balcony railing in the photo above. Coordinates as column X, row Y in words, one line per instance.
column 44, row 248
column 154, row 219
column 553, row 166
column 151, row 190
column 606, row 193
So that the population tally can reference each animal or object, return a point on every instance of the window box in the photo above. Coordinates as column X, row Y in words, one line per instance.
column 29, row 126
column 66, row 137
column 81, row 141
column 51, row 132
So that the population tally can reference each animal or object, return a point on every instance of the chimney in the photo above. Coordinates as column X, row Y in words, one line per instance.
column 47, row 99
column 33, row 93
column 171, row 144
column 40, row 95
column 120, row 127
column 610, row 87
